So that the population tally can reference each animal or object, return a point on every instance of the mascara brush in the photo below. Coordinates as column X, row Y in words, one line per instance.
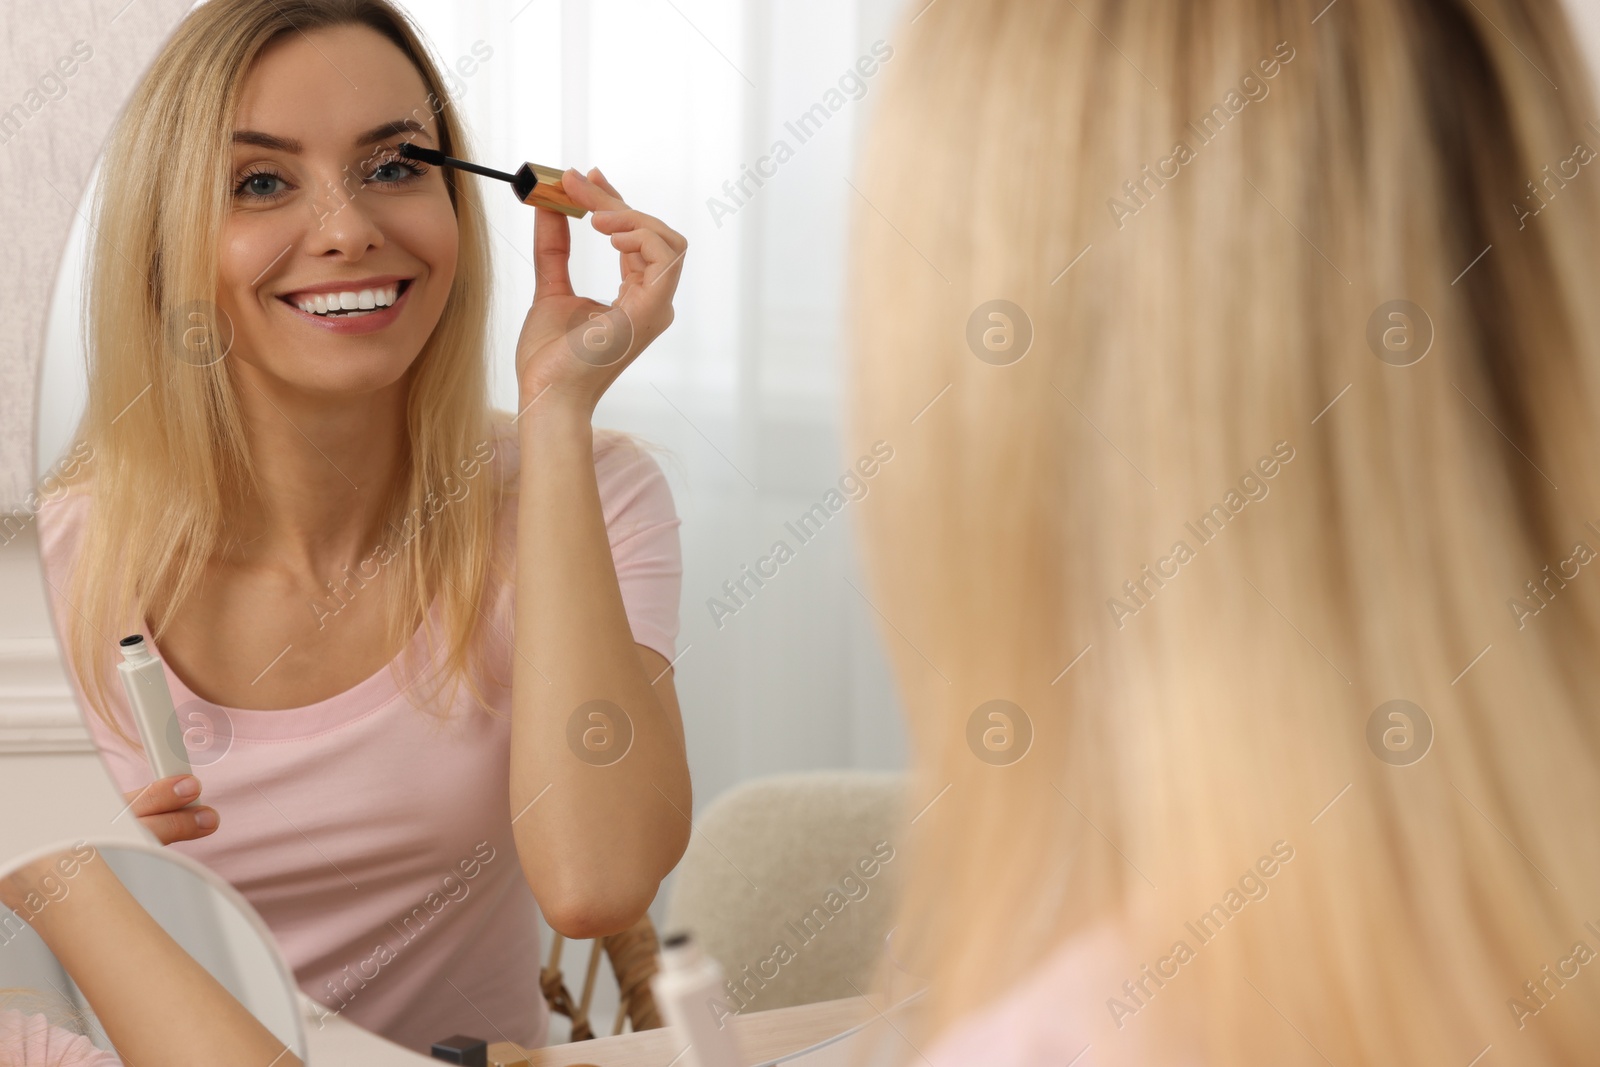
column 532, row 184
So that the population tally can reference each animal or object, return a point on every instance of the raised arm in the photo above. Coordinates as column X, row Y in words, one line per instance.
column 595, row 833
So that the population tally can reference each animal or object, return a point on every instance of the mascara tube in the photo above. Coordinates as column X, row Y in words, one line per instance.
column 144, row 679
column 687, row 983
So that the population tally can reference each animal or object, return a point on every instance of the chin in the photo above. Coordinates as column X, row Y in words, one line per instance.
column 341, row 373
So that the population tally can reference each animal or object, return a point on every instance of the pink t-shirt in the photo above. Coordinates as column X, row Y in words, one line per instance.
column 376, row 842
column 1057, row 1014
column 31, row 1041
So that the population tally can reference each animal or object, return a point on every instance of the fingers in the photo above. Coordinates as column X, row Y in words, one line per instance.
column 600, row 179
column 650, row 249
column 164, row 794
column 612, row 215
column 184, row 825
column 160, row 809
column 591, row 195
column 552, row 248
column 659, row 257
column 616, row 221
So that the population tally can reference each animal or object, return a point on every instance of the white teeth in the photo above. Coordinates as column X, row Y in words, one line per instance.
column 356, row 300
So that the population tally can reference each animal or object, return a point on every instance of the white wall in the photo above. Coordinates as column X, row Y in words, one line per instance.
column 52, row 784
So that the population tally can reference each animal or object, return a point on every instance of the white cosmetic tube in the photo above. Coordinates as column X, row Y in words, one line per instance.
column 685, row 988
column 145, row 681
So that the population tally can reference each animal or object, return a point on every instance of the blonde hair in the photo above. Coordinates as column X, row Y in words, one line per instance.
column 167, row 447
column 1189, row 330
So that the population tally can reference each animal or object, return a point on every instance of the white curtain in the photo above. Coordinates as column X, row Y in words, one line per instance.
column 673, row 99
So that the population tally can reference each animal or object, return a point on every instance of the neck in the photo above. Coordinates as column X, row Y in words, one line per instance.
column 326, row 467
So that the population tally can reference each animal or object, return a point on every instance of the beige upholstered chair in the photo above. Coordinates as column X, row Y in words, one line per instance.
column 789, row 882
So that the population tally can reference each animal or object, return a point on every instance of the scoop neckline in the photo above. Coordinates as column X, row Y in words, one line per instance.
column 277, row 724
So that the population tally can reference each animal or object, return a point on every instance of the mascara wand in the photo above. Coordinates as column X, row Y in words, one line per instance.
column 532, row 184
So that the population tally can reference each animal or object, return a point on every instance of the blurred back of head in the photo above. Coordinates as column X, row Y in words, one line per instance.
column 1262, row 359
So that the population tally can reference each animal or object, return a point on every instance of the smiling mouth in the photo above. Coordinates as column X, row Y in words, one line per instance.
column 350, row 304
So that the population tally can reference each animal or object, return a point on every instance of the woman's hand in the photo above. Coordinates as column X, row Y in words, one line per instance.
column 160, row 808
column 571, row 346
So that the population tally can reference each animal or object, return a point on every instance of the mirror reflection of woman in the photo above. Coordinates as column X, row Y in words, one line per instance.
column 429, row 642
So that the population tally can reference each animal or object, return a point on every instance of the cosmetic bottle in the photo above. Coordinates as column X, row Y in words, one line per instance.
column 144, row 679
column 687, row 985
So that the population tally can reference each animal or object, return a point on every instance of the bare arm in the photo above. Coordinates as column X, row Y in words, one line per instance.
column 156, row 1003
column 596, row 827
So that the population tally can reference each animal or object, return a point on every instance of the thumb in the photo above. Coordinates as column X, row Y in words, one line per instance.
column 552, row 247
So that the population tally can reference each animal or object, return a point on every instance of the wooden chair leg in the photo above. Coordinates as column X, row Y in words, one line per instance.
column 632, row 954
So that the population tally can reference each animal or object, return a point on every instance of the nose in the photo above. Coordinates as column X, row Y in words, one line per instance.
column 341, row 222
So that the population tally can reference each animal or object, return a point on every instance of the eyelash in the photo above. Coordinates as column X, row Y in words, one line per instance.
column 417, row 170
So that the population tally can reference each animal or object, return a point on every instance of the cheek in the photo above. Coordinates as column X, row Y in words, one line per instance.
column 249, row 246
column 428, row 231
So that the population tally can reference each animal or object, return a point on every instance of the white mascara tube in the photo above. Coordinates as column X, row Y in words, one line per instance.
column 688, row 983
column 145, row 680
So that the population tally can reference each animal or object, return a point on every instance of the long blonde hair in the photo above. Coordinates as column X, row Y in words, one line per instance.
column 1209, row 341
column 163, row 430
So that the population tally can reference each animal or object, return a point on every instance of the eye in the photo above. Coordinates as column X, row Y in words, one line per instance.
column 259, row 185
column 396, row 169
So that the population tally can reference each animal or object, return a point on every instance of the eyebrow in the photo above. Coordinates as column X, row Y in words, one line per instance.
column 293, row 147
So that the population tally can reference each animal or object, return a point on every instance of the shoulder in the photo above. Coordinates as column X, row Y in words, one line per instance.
column 29, row 1040
column 632, row 483
column 641, row 528
column 1054, row 1014
column 60, row 500
column 634, row 492
column 61, row 519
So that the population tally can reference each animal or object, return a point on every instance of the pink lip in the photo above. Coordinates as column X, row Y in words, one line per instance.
column 360, row 324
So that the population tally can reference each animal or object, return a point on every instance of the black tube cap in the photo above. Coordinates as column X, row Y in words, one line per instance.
column 462, row 1049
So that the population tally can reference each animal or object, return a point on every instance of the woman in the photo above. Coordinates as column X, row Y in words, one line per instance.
column 323, row 528
column 1202, row 502
column 132, row 973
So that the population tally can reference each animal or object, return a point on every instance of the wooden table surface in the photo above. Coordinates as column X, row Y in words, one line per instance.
column 762, row 1036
